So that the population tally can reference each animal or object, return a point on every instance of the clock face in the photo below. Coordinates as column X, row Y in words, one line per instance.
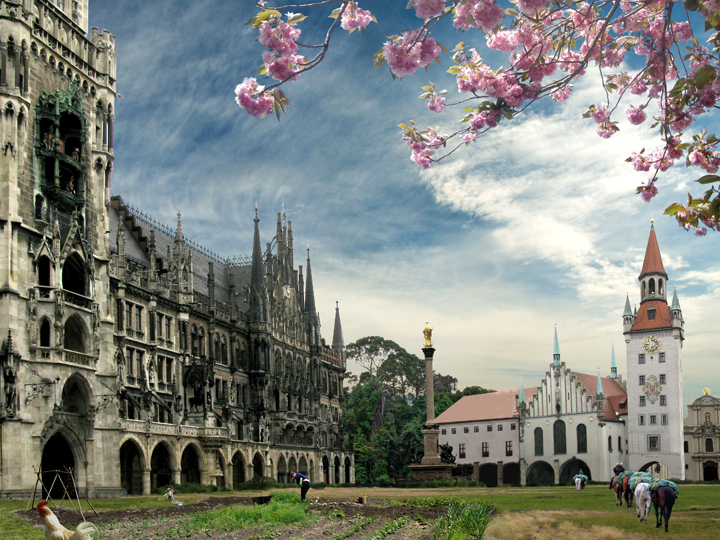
column 651, row 344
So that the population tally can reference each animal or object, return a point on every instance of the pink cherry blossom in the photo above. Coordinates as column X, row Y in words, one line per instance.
column 437, row 103
column 648, row 191
column 250, row 97
column 635, row 116
column 700, row 231
column 531, row 7
column 279, row 36
column 404, row 57
column 429, row 8
column 354, row 17
column 600, row 114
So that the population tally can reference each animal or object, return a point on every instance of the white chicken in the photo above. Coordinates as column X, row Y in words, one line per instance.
column 55, row 531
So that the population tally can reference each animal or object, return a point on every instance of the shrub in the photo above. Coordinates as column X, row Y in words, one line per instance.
column 260, row 483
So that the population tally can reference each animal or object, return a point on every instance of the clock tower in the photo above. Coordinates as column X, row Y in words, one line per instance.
column 654, row 335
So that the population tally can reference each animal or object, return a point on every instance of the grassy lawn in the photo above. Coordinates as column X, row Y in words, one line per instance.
column 557, row 513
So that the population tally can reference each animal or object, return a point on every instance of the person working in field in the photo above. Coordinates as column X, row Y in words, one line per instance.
column 302, row 481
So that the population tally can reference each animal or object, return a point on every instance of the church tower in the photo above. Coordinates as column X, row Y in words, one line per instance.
column 654, row 337
column 57, row 93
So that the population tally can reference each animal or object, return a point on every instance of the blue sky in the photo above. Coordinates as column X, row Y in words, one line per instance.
column 533, row 226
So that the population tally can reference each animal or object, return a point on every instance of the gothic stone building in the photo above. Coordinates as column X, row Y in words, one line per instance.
column 130, row 355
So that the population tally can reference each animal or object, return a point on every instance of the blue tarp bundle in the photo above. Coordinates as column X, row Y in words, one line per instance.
column 657, row 484
column 582, row 477
column 623, row 475
column 640, row 478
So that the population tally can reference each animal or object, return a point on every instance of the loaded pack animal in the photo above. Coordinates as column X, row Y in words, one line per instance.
column 580, row 480
column 642, row 501
column 663, row 499
column 621, row 487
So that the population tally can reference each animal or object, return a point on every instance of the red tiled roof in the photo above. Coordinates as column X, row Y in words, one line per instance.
column 662, row 316
column 484, row 407
column 653, row 262
column 612, row 391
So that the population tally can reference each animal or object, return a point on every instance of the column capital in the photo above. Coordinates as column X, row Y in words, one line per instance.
column 428, row 351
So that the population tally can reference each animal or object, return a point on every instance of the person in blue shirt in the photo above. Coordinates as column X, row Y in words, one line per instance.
column 302, row 481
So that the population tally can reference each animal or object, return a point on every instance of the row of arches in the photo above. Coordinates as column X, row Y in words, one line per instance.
column 74, row 275
column 542, row 473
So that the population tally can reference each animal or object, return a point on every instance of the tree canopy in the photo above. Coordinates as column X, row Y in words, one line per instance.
column 385, row 410
column 645, row 50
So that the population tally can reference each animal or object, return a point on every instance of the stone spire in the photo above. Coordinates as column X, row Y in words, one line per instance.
column 338, row 344
column 257, row 289
column 310, row 292
column 627, row 312
column 178, row 232
column 556, row 350
column 675, row 302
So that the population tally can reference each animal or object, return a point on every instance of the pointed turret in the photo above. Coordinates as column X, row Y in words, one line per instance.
column 522, row 394
column 178, row 231
column 628, row 317
column 257, row 284
column 301, row 288
column 310, row 309
column 556, row 350
column 613, row 364
column 600, row 393
column 676, row 318
column 338, row 344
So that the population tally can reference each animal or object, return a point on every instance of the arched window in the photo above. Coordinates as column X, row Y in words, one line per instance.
column 709, row 445
column 43, row 272
column 224, row 350
column 73, row 275
column 651, row 286
column 201, row 342
column 45, row 333
column 559, row 437
column 660, row 286
column 74, row 335
column 581, row 439
column 642, row 290
column 539, row 447
column 609, row 444
column 687, row 447
column 619, row 443
column 194, row 340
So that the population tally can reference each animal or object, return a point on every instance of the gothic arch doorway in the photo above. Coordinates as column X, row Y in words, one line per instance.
column 57, row 456
column 238, row 470
column 75, row 396
column 282, row 470
column 258, row 466
column 347, row 470
column 160, row 465
column 710, row 471
column 131, row 468
column 337, row 471
column 326, row 470
column 190, row 465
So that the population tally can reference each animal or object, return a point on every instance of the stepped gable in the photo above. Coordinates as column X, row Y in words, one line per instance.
column 139, row 229
column 614, row 394
column 491, row 406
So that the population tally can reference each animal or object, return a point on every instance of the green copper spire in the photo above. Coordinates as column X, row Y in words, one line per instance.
column 556, row 350
column 522, row 393
column 628, row 310
column 599, row 385
column 675, row 303
column 613, row 365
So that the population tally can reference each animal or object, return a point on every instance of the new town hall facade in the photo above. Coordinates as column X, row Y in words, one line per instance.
column 131, row 355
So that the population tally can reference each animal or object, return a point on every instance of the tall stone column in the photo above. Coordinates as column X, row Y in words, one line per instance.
column 430, row 433
column 431, row 467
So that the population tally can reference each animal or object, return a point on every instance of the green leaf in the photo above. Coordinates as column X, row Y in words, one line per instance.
column 335, row 13
column 459, row 46
column 298, row 17
column 708, row 179
column 454, row 70
column 443, row 49
column 379, row 58
column 704, row 76
column 674, row 209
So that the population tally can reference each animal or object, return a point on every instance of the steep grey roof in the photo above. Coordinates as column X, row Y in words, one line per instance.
column 164, row 239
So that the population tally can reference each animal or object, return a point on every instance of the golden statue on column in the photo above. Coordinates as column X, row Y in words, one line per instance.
column 427, row 333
